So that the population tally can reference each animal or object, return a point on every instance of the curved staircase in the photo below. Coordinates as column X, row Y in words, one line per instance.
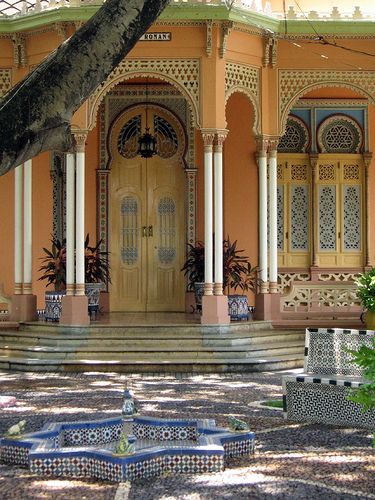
column 246, row 346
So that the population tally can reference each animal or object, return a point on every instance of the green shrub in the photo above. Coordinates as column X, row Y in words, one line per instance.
column 365, row 395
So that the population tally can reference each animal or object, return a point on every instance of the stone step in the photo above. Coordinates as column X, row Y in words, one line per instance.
column 100, row 330
column 150, row 353
column 203, row 365
column 239, row 338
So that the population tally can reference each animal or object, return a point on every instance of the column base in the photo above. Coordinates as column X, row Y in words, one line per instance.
column 74, row 310
column 267, row 306
column 215, row 310
column 23, row 308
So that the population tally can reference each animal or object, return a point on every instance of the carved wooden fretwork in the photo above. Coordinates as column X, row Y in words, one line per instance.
column 209, row 37
column 5, row 80
column 19, row 50
column 270, row 52
column 294, row 83
column 115, row 103
column 225, row 30
column 181, row 73
column 61, row 31
column 245, row 79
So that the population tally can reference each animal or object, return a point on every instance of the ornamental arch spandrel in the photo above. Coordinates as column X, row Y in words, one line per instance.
column 293, row 84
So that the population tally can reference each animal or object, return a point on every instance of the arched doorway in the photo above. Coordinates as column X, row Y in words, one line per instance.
column 147, row 212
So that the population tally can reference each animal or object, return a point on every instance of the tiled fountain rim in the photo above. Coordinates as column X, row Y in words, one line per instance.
column 45, row 453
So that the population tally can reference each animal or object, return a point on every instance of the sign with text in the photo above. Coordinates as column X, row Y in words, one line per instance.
column 157, row 36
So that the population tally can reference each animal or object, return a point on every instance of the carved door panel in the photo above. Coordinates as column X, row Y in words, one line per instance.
column 339, row 227
column 147, row 235
column 293, row 210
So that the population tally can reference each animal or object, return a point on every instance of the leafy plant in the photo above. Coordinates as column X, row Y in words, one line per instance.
column 54, row 264
column 237, row 270
column 96, row 263
column 366, row 289
column 365, row 394
column 194, row 264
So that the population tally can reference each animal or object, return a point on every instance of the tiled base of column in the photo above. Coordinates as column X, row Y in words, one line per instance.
column 23, row 308
column 215, row 310
column 267, row 306
column 74, row 310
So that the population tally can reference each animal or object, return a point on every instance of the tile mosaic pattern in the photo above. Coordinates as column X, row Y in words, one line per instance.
column 326, row 350
column 320, row 394
column 325, row 400
column 84, row 449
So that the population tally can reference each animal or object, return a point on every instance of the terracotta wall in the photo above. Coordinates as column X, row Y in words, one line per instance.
column 241, row 178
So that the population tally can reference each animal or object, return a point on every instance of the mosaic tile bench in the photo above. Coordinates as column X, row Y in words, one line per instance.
column 320, row 393
column 161, row 446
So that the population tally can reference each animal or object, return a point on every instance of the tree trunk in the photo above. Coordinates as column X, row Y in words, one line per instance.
column 35, row 115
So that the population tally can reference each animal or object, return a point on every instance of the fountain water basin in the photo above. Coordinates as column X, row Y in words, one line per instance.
column 86, row 449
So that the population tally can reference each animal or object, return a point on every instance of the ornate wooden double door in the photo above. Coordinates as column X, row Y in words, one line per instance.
column 147, row 213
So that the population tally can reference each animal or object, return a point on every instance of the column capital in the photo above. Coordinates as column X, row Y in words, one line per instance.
column 208, row 136
column 273, row 142
column 80, row 137
column 220, row 137
column 262, row 145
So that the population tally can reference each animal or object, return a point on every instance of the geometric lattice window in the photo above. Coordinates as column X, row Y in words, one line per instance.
column 296, row 138
column 167, row 230
column 280, row 217
column 352, row 217
column 166, row 137
column 340, row 134
column 299, row 217
column 129, row 237
column 327, row 217
column 127, row 142
column 5, row 80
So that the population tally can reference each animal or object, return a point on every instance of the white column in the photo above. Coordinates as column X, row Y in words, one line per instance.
column 218, row 173
column 208, row 215
column 263, row 256
column 18, row 230
column 70, row 225
column 27, row 228
column 273, row 219
column 80, row 214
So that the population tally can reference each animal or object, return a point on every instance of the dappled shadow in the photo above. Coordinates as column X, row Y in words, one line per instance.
column 291, row 460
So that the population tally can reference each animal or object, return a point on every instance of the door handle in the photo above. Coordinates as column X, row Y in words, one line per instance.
column 144, row 231
column 150, row 231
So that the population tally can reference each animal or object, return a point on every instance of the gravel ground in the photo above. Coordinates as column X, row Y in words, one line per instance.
column 291, row 460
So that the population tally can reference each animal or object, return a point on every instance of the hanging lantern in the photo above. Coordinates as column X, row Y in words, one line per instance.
column 147, row 144
column 147, row 141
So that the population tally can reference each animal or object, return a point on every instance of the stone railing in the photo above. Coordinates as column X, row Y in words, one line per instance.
column 322, row 299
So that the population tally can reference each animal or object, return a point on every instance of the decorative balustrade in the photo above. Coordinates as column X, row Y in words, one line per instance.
column 321, row 299
column 15, row 9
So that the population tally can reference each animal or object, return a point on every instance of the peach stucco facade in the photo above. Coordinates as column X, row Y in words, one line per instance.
column 244, row 79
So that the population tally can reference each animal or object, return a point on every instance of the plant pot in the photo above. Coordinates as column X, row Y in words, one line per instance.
column 92, row 291
column 198, row 293
column 238, row 307
column 370, row 320
column 53, row 300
